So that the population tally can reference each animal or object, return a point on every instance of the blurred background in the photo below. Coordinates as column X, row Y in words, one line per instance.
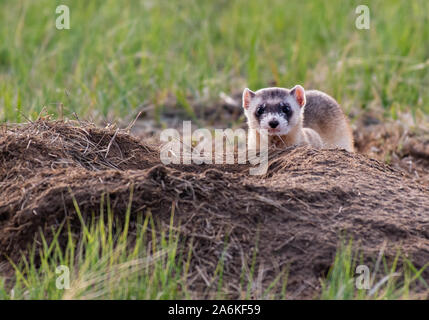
column 190, row 57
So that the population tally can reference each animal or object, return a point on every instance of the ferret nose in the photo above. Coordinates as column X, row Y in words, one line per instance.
column 273, row 123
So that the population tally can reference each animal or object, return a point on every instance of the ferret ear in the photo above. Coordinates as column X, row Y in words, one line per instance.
column 299, row 94
column 247, row 97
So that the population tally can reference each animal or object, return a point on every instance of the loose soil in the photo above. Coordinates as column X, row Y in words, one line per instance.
column 294, row 216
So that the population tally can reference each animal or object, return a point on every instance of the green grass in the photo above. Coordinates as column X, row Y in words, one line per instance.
column 387, row 281
column 118, row 56
column 108, row 260
column 103, row 264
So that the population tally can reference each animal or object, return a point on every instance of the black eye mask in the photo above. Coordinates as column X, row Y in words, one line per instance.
column 283, row 109
column 286, row 110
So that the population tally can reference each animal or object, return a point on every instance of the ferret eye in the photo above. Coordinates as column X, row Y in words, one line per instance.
column 286, row 108
column 260, row 110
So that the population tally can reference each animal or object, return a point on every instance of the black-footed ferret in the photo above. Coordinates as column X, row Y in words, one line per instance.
column 297, row 117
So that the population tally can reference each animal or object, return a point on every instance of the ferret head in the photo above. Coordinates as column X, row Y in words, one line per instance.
column 277, row 110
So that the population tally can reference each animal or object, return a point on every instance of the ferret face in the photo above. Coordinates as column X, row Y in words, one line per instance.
column 277, row 110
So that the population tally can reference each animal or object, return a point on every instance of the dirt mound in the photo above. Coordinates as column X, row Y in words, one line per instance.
column 395, row 143
column 298, row 211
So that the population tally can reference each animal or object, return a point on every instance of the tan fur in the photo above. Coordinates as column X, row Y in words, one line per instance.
column 323, row 114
